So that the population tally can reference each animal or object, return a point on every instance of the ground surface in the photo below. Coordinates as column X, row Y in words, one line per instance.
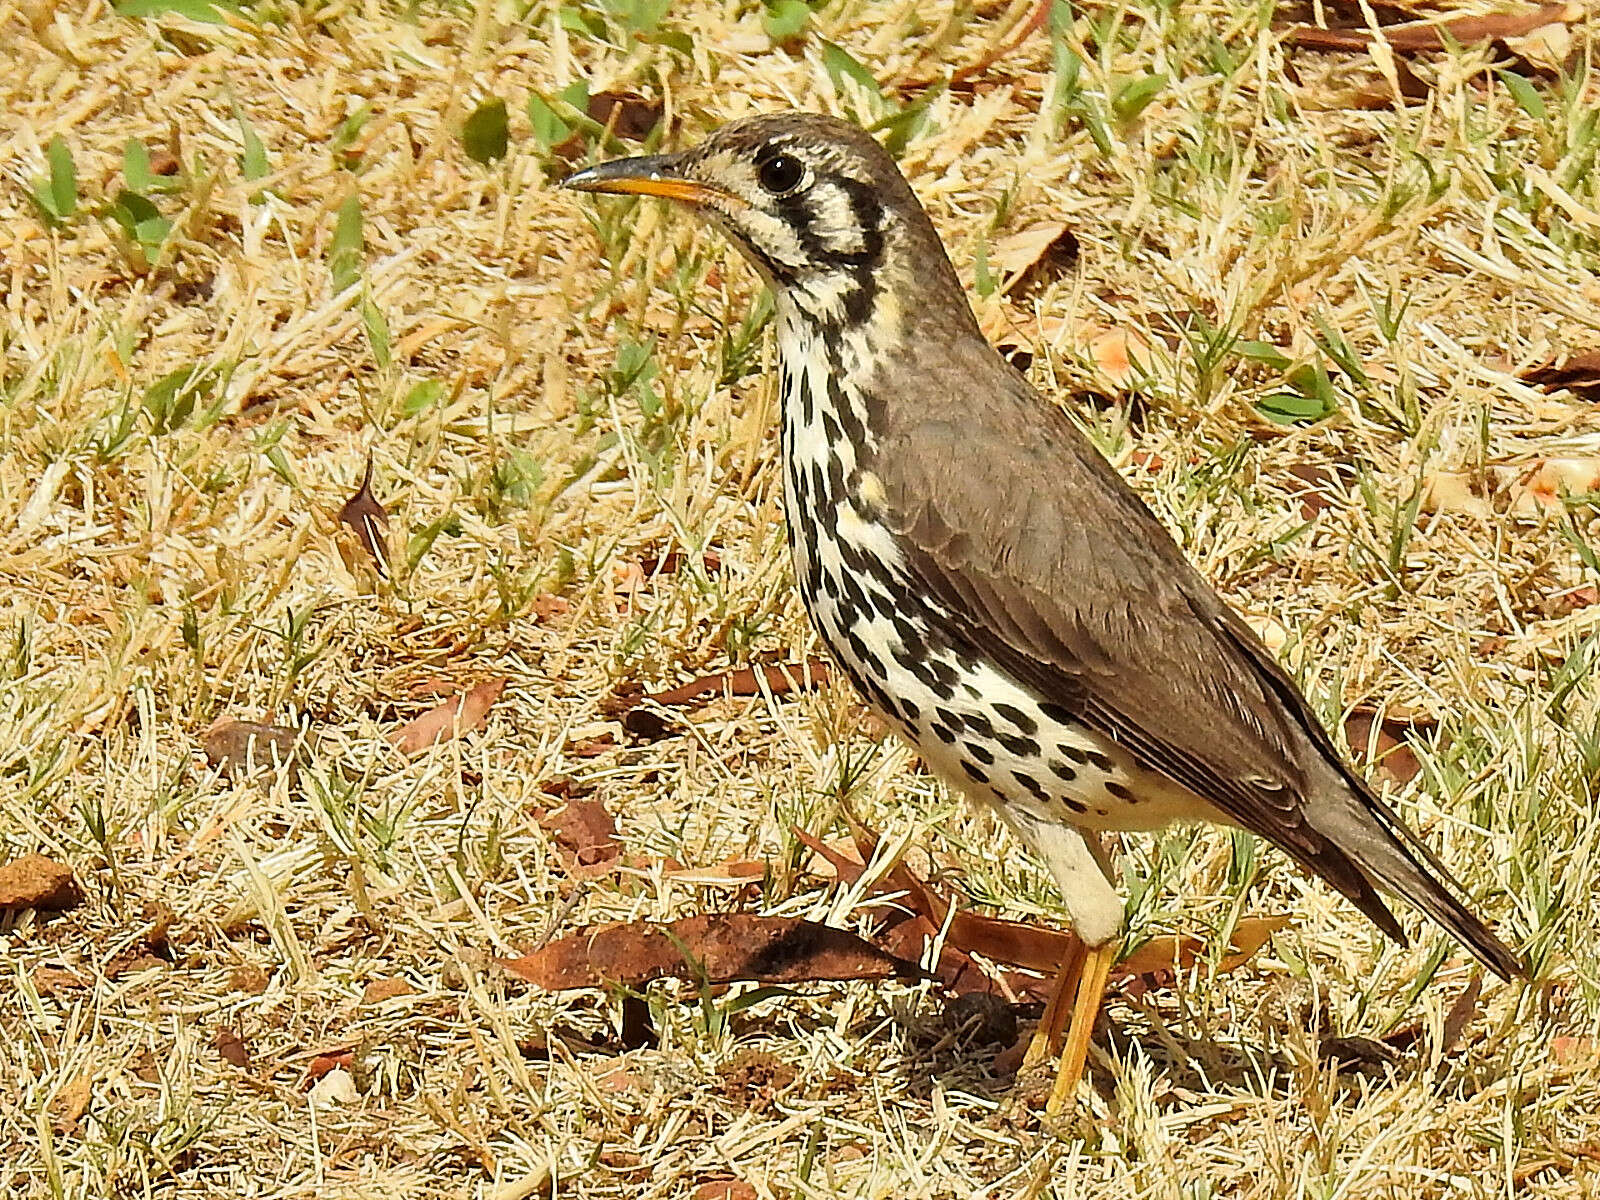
column 283, row 984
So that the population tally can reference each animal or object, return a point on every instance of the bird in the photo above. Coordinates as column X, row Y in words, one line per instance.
column 990, row 583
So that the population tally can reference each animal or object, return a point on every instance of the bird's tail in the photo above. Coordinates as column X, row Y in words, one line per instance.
column 1370, row 834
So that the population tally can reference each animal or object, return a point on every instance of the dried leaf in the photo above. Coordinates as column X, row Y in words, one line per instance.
column 547, row 607
column 1462, row 1013
column 1357, row 1052
column 780, row 679
column 70, row 1103
column 1179, row 954
column 592, row 747
column 1382, row 738
column 1465, row 31
column 379, row 990
column 366, row 518
column 451, row 719
column 329, row 1060
column 1579, row 375
column 1318, row 483
column 725, row 1189
column 719, row 948
column 673, row 561
column 231, row 1048
column 55, row 981
column 1575, row 1051
column 1035, row 255
column 244, row 746
column 34, row 881
column 586, row 834
column 629, row 115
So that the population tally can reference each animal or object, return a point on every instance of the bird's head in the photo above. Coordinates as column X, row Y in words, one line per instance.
column 813, row 202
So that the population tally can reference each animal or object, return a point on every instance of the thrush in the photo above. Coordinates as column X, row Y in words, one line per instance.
column 989, row 582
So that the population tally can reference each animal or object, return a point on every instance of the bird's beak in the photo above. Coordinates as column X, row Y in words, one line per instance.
column 651, row 175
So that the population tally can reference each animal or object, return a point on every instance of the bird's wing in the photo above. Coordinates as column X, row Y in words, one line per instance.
column 1053, row 568
column 1056, row 569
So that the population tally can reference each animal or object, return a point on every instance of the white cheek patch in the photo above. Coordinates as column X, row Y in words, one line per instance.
column 834, row 221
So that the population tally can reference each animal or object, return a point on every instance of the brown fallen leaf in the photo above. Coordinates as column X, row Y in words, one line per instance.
column 1180, row 953
column 57, row 981
column 449, row 720
column 629, row 703
column 70, row 1103
column 780, row 679
column 673, row 561
column 244, row 746
column 547, row 607
column 367, row 519
column 628, row 115
column 1462, row 1013
column 1317, row 484
column 1579, row 375
column 586, row 835
column 1034, row 255
column 230, row 1048
column 718, row 948
column 340, row 1058
column 725, row 1189
column 592, row 747
column 1566, row 602
column 34, row 881
column 1352, row 1052
column 1464, row 31
column 379, row 990
column 1382, row 739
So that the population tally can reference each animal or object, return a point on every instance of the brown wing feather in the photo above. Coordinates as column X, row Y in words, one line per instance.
column 1059, row 573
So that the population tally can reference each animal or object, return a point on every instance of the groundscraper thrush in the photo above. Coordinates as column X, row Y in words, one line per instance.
column 989, row 582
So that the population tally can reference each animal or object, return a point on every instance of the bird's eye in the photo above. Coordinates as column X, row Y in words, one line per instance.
column 781, row 173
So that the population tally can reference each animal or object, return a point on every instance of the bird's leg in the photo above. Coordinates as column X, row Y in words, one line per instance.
column 1047, row 1038
column 1097, row 920
column 1095, row 967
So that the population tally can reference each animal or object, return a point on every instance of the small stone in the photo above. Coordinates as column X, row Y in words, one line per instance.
column 34, row 881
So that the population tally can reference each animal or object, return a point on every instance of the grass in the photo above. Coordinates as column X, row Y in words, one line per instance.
column 241, row 254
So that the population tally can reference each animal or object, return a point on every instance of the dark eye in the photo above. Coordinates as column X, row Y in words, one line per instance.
column 781, row 173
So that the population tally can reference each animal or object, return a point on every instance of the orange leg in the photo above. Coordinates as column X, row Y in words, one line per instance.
column 1048, row 1038
column 1093, row 971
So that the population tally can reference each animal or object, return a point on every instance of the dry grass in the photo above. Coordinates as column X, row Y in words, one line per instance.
column 161, row 573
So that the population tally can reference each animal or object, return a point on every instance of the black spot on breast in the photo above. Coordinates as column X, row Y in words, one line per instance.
column 943, row 678
column 1017, row 717
column 1061, row 771
column 944, row 733
column 1022, row 747
column 1120, row 791
column 1076, row 806
column 1100, row 761
column 980, row 752
column 1030, row 784
column 973, row 773
column 980, row 724
column 953, row 719
column 1075, row 753
column 909, row 707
